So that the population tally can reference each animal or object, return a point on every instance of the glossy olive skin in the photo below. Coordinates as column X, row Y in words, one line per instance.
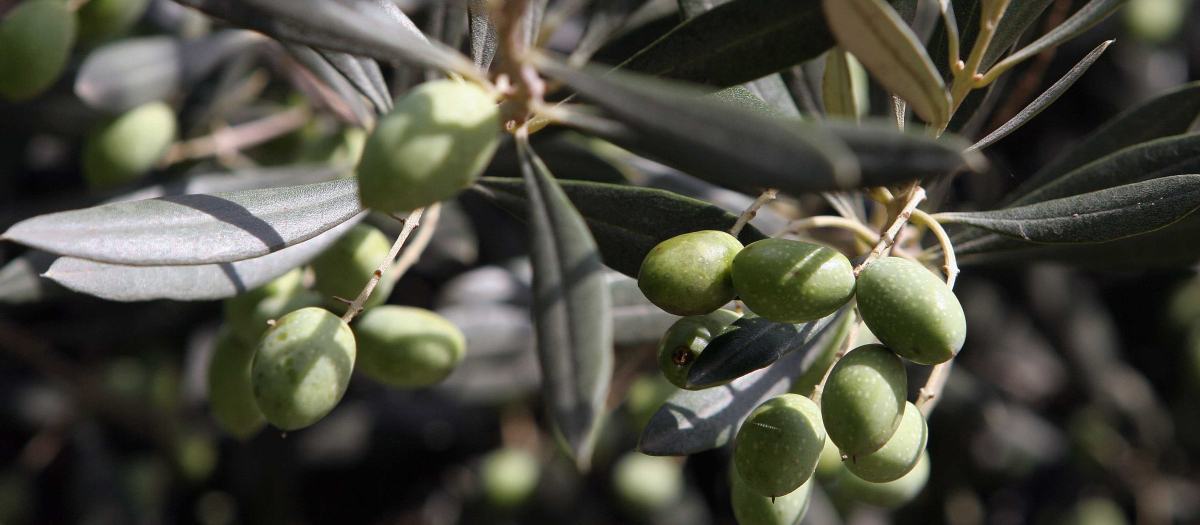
column 779, row 444
column 792, row 281
column 911, row 311
column 230, row 391
column 690, row 274
column 302, row 367
column 36, row 38
column 686, row 339
column 407, row 347
column 899, row 455
column 863, row 400
column 509, row 476
column 100, row 20
column 345, row 267
column 647, row 484
column 117, row 152
column 435, row 143
column 751, row 508
column 890, row 495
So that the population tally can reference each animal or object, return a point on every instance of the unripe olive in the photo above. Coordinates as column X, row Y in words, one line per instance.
column 230, row 391
column 684, row 341
column 779, row 444
column 751, row 508
column 1098, row 510
column 344, row 268
column 646, row 395
column 101, row 20
column 690, row 274
column 830, row 462
column 911, row 310
column 35, row 41
column 435, row 143
column 509, row 477
column 246, row 316
column 407, row 347
column 343, row 147
column 899, row 455
column 863, row 400
column 890, row 495
column 792, row 281
column 302, row 367
column 119, row 151
column 647, row 484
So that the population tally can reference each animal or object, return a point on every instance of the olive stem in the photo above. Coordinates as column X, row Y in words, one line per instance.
column 880, row 194
column 236, row 138
column 951, row 266
column 889, row 236
column 751, row 211
column 842, row 350
column 968, row 77
column 410, row 223
column 932, row 390
column 860, row 230
column 418, row 244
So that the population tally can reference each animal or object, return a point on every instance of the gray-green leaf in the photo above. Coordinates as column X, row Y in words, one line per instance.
column 1087, row 16
column 753, row 343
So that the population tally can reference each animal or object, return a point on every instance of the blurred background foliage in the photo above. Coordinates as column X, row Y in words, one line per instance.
column 1074, row 402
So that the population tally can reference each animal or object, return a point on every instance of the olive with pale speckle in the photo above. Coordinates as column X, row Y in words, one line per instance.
column 302, row 367
column 778, row 446
column 792, row 281
column 890, row 495
column 690, row 274
column 911, row 311
column 751, row 508
column 899, row 455
column 862, row 403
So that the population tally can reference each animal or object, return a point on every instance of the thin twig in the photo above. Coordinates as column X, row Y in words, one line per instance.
column 850, row 338
column 860, row 230
column 418, row 244
column 951, row 265
column 751, row 211
column 410, row 222
column 236, row 138
column 915, row 196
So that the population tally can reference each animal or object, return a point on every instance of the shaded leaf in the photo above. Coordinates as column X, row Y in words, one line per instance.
column 837, row 85
column 21, row 281
column 188, row 283
column 483, row 34
column 364, row 29
column 365, row 75
column 604, row 21
column 742, row 98
column 753, row 343
column 624, row 238
column 193, row 229
column 879, row 38
column 572, row 310
column 1098, row 216
column 1087, row 16
column 693, row 421
column 747, row 152
column 636, row 321
column 320, row 67
column 131, row 72
column 774, row 91
column 1018, row 17
column 1044, row 100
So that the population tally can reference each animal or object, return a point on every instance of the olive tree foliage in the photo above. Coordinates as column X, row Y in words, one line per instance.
column 734, row 95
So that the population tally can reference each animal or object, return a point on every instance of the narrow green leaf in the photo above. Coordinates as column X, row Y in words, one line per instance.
column 365, row 75
column 693, row 421
column 1169, row 113
column 892, row 53
column 1089, row 15
column 188, row 283
column 21, row 279
column 624, row 238
column 837, row 85
column 325, row 72
column 605, row 20
column 1044, row 100
column 1099, row 216
column 483, row 34
column 742, row 98
column 572, row 310
column 774, row 91
column 692, row 8
column 753, row 343
column 1018, row 17
column 193, row 229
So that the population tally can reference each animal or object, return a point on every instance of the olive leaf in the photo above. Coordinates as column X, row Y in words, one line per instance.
column 21, row 281
column 752, row 343
column 874, row 32
column 365, row 75
column 193, row 229
column 362, row 29
column 324, row 71
column 1099, row 216
column 624, row 238
column 606, row 20
column 636, row 321
column 123, row 75
column 483, row 34
column 572, row 309
column 1044, row 100
column 747, row 152
column 837, row 85
column 1087, row 16
column 742, row 98
column 693, row 421
column 188, row 283
column 774, row 91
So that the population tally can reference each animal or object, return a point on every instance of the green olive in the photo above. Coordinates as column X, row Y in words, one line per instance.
column 35, row 42
column 230, row 391
column 646, row 395
column 647, row 484
column 863, row 400
column 509, row 476
column 911, row 310
column 686, row 339
column 435, row 143
column 778, row 446
column 101, row 20
column 407, row 347
column 899, row 455
column 245, row 313
column 690, row 274
column 343, row 269
column 751, row 508
column 119, row 151
column 302, row 367
column 830, row 462
column 343, row 147
column 792, row 281
column 890, row 495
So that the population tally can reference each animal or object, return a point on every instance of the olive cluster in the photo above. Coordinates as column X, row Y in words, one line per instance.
column 864, row 435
